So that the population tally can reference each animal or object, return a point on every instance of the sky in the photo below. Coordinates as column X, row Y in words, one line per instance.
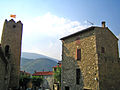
column 46, row 21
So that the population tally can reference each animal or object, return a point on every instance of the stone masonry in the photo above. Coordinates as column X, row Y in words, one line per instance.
column 99, row 64
column 10, row 52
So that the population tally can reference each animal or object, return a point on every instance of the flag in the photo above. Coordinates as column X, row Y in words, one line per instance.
column 13, row 16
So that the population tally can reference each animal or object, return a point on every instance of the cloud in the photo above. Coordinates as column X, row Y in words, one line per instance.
column 41, row 34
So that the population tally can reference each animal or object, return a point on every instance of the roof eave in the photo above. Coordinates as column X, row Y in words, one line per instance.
column 84, row 30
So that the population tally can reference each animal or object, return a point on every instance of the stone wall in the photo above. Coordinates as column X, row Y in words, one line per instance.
column 87, row 64
column 109, row 75
column 105, row 38
column 48, row 82
column 109, row 66
column 12, row 37
column 2, row 74
column 99, row 64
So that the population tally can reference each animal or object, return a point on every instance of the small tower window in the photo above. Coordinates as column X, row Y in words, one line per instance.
column 102, row 50
column 14, row 26
column 7, row 48
column 78, row 54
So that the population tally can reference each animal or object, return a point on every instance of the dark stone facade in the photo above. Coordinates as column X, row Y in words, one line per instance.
column 99, row 64
column 10, row 52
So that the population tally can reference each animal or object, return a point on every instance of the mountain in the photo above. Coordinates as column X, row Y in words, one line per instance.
column 35, row 56
column 31, row 62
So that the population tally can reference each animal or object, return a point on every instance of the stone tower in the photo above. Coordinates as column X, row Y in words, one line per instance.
column 11, row 46
column 90, row 60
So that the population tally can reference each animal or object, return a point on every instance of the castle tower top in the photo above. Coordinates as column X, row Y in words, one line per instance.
column 11, row 39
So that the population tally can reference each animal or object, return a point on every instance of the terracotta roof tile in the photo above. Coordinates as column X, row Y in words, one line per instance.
column 25, row 72
column 43, row 73
column 57, row 66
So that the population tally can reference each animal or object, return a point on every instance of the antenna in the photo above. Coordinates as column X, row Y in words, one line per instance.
column 90, row 22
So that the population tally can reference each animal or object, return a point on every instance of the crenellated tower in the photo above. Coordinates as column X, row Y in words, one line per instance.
column 11, row 45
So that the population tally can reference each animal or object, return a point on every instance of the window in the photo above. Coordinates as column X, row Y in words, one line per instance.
column 77, row 76
column 78, row 54
column 67, row 88
column 7, row 51
column 14, row 26
column 102, row 50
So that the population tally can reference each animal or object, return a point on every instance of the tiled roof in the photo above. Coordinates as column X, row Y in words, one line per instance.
column 25, row 72
column 57, row 65
column 43, row 73
column 86, row 30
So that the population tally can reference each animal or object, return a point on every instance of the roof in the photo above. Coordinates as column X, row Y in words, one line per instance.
column 43, row 73
column 25, row 72
column 84, row 30
column 57, row 66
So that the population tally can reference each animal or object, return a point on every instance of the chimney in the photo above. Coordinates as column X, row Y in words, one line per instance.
column 103, row 24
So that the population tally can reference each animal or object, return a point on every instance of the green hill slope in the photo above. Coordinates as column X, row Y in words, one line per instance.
column 40, row 64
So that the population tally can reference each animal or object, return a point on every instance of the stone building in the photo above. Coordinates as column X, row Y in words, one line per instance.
column 47, row 76
column 10, row 52
column 90, row 60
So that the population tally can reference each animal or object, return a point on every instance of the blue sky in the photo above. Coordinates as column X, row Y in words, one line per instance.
column 46, row 21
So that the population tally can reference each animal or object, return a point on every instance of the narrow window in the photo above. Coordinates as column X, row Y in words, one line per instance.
column 102, row 50
column 78, row 54
column 7, row 48
column 77, row 76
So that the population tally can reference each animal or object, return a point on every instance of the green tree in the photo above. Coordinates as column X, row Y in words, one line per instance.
column 24, row 79
column 57, row 75
column 37, row 80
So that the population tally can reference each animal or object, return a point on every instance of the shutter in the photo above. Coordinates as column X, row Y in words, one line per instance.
column 78, row 54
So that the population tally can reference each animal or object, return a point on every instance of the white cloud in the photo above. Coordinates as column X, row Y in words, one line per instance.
column 41, row 34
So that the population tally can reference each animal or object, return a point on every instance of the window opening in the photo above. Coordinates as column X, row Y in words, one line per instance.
column 102, row 50
column 78, row 54
column 77, row 76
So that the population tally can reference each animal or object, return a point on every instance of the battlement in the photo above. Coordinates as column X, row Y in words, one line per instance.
column 12, row 21
column 11, row 24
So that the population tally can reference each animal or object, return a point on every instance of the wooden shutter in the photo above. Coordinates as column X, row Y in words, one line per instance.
column 78, row 54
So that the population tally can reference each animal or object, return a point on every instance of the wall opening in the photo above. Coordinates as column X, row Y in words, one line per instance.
column 7, row 50
column 67, row 88
column 78, row 54
column 77, row 76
